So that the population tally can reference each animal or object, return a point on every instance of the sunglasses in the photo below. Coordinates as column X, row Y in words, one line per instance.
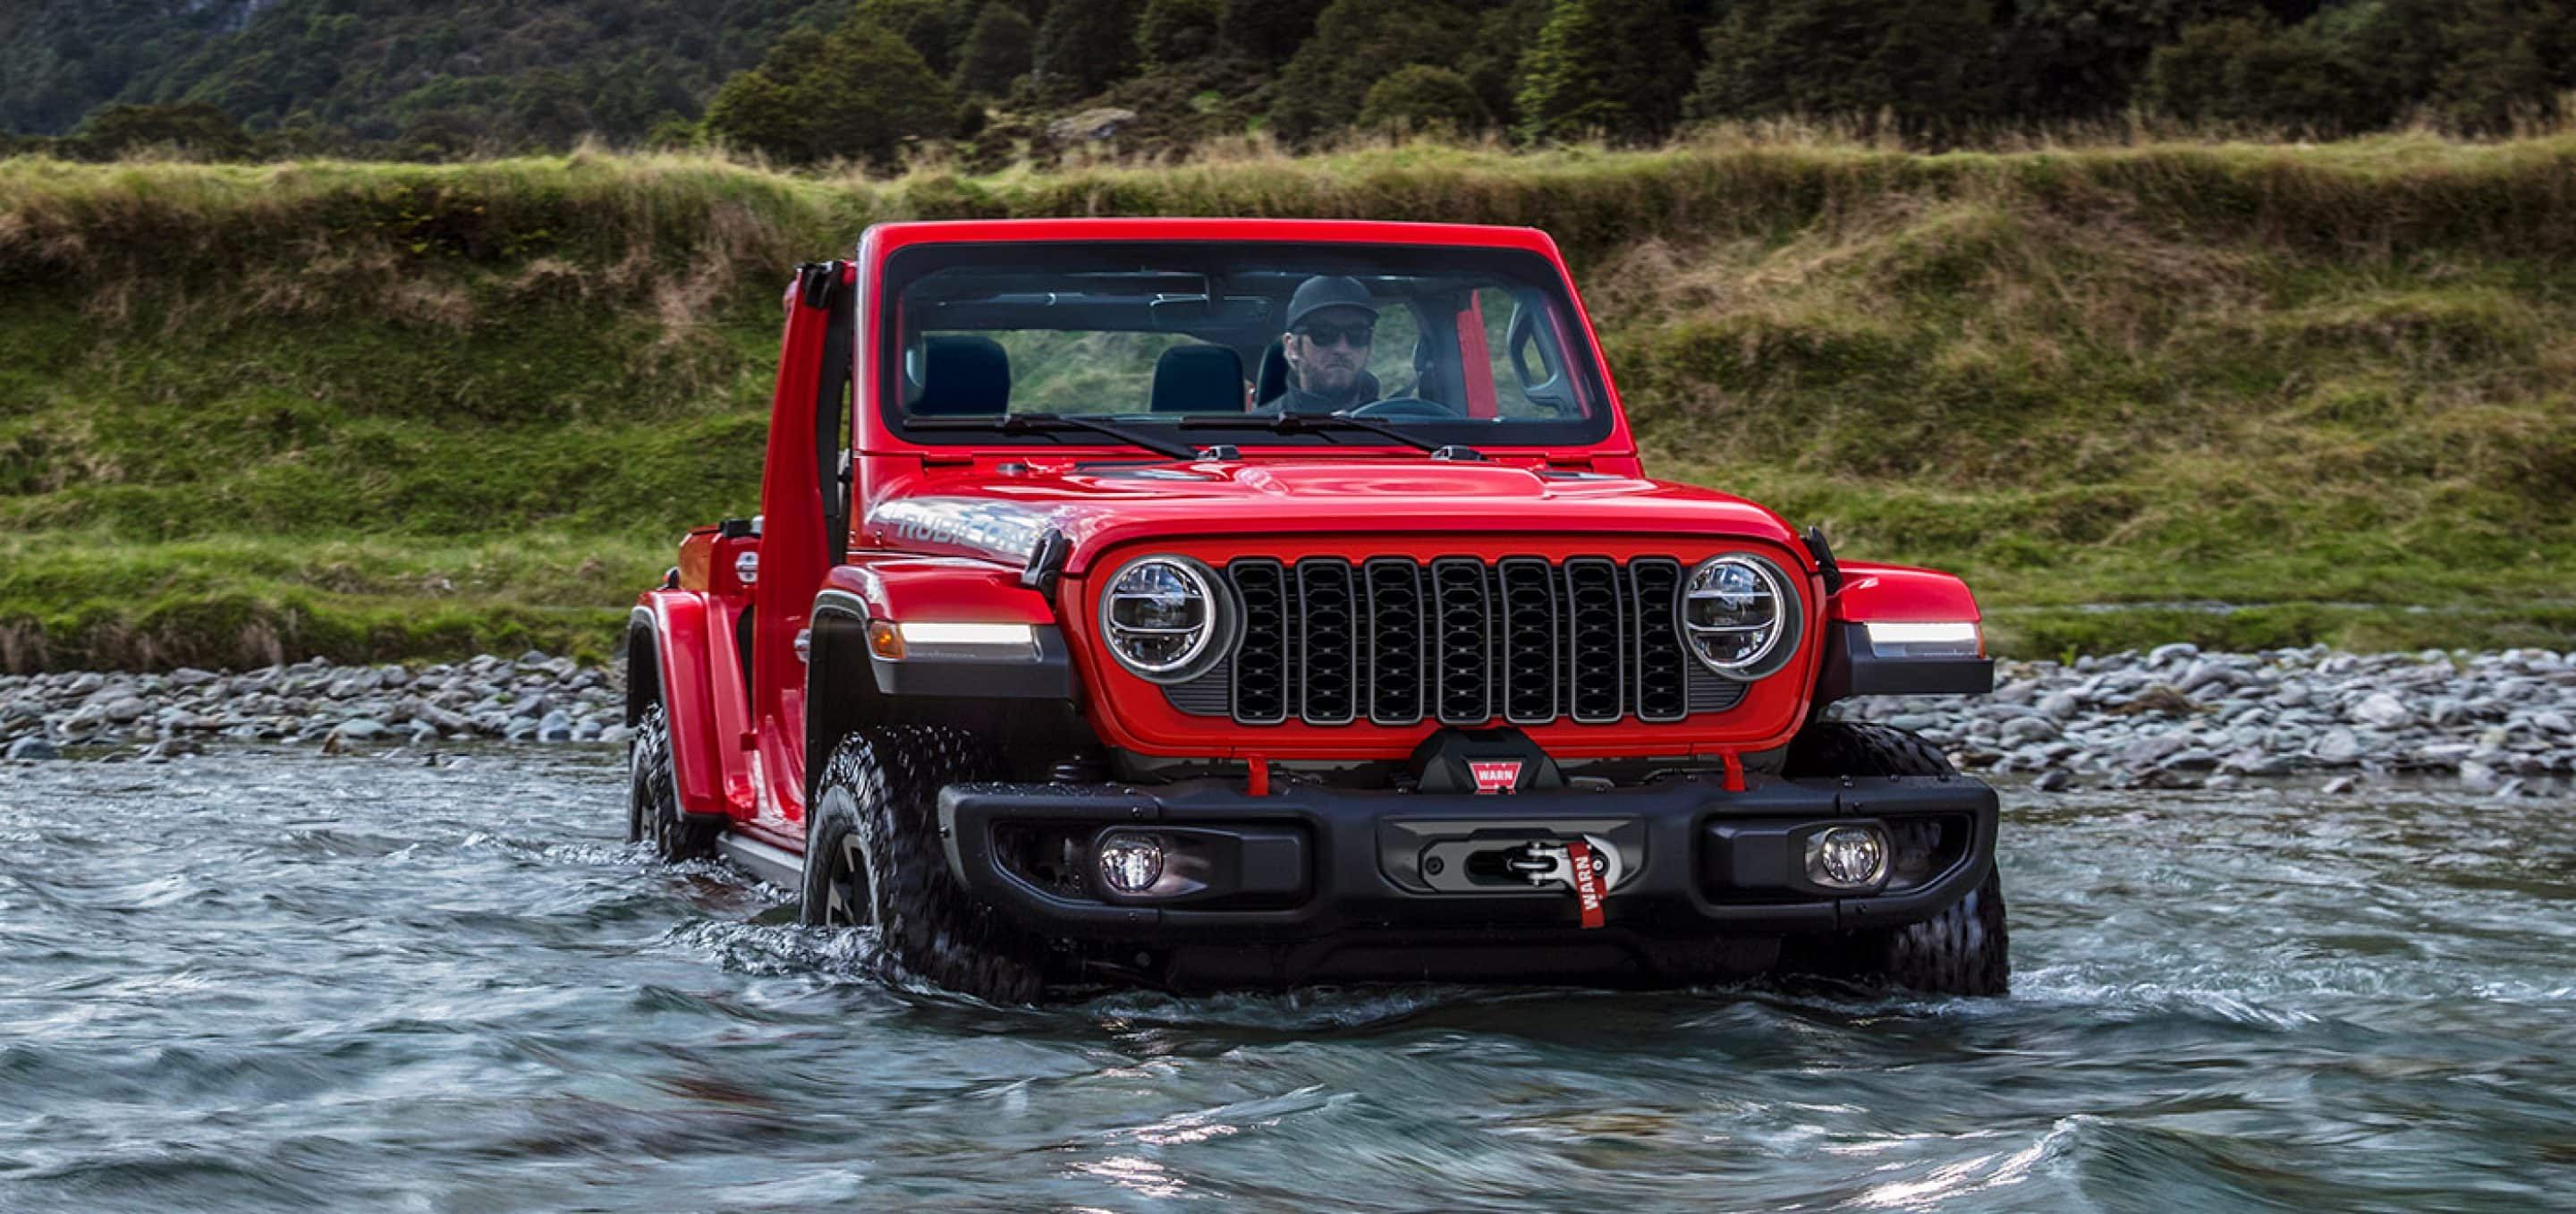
column 1330, row 334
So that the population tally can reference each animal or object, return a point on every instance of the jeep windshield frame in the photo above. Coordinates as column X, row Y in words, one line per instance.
column 1234, row 294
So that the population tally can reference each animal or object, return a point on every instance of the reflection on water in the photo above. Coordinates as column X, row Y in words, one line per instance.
column 266, row 981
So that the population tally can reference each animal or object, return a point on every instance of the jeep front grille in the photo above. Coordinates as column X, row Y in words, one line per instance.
column 1460, row 640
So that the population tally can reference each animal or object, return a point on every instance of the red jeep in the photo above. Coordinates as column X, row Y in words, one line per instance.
column 1244, row 602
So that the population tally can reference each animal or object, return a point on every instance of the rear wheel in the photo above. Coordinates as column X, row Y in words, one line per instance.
column 873, row 857
column 653, row 796
column 1965, row 949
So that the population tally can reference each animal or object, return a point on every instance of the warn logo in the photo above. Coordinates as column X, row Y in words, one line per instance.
column 1494, row 776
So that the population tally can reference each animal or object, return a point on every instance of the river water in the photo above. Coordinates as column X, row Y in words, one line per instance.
column 267, row 980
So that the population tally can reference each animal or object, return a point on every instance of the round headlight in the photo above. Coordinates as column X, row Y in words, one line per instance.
column 1739, row 616
column 1161, row 617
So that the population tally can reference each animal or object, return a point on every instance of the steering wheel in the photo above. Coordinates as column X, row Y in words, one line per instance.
column 1404, row 406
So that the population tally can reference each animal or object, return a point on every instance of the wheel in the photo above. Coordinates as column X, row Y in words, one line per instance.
column 653, row 795
column 1965, row 950
column 873, row 858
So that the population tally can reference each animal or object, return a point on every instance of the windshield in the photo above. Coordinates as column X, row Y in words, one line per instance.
column 1467, row 345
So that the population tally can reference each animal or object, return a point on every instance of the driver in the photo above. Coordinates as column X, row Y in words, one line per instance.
column 1331, row 324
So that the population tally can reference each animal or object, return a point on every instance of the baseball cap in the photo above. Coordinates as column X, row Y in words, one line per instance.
column 1328, row 291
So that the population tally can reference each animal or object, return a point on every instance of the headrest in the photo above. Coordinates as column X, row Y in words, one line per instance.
column 1198, row 379
column 963, row 373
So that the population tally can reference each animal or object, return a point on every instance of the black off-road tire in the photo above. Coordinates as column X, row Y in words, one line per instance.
column 1965, row 950
column 873, row 856
column 653, row 795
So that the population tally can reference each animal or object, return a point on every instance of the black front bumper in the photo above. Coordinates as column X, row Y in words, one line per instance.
column 1306, row 863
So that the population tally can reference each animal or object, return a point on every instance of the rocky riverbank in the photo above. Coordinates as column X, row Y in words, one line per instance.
column 536, row 698
column 2495, row 723
column 2170, row 717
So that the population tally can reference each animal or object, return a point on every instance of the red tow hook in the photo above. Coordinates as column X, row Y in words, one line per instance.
column 1258, row 783
column 1734, row 772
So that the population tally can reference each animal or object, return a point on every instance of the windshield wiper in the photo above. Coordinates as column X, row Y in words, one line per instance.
column 1323, row 423
column 1056, row 423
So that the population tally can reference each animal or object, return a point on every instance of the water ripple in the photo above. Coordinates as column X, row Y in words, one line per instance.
column 268, row 981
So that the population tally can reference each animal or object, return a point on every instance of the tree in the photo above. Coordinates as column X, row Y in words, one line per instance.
column 1176, row 31
column 1356, row 44
column 929, row 27
column 1926, row 62
column 860, row 92
column 1083, row 45
column 1267, row 32
column 1617, row 67
column 1424, row 98
column 997, row 51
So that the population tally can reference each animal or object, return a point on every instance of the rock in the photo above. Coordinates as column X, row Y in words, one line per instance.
column 2382, row 710
column 2179, row 651
column 2508, row 790
column 1102, row 122
column 32, row 748
column 2477, row 777
column 2337, row 745
column 2159, row 699
column 190, row 676
column 362, row 729
column 2342, row 786
column 616, row 735
column 2152, row 749
column 124, row 709
column 2053, row 779
column 2553, row 722
column 2060, row 705
column 2196, row 758
column 2021, row 730
column 556, row 727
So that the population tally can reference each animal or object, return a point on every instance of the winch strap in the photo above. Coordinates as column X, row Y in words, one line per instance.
column 1587, row 881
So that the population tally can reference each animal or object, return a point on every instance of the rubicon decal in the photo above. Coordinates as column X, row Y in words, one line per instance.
column 1495, row 775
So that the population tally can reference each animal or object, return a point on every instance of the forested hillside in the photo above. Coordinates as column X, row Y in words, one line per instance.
column 999, row 80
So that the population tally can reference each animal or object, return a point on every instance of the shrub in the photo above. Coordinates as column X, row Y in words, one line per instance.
column 1610, row 66
column 858, row 93
column 1356, row 44
column 1425, row 98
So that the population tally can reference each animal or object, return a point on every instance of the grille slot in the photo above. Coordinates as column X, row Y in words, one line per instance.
column 1261, row 659
column 1397, row 653
column 1529, row 626
column 1462, row 648
column 1329, row 657
column 1595, row 655
column 1663, row 670
column 1395, row 640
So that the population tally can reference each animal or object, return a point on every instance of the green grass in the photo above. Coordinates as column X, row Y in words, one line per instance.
column 400, row 410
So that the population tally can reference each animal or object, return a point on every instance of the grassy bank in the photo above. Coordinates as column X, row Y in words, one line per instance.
column 377, row 410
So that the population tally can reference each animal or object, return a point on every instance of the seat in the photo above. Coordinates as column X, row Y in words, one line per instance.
column 1198, row 379
column 963, row 373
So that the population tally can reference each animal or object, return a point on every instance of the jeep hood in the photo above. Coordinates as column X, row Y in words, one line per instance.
column 1001, row 515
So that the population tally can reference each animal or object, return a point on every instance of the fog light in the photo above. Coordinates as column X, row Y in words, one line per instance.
column 1130, row 864
column 1847, row 857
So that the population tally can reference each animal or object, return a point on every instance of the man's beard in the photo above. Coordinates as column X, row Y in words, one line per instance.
column 1331, row 379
